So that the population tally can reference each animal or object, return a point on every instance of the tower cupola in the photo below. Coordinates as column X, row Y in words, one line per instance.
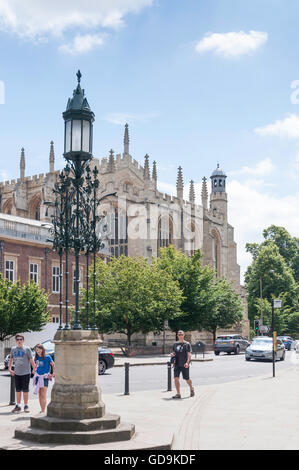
column 218, row 181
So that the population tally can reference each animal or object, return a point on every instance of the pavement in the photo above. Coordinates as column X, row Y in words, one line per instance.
column 156, row 360
column 259, row 413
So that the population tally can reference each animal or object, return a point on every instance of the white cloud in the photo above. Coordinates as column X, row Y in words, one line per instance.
column 166, row 188
column 233, row 44
column 82, row 44
column 287, row 128
column 250, row 211
column 261, row 169
column 122, row 118
column 292, row 169
column 4, row 175
column 36, row 19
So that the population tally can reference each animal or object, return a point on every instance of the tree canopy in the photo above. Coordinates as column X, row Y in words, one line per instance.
column 274, row 274
column 23, row 308
column 132, row 297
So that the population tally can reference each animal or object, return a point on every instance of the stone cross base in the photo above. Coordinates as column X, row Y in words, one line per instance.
column 76, row 413
column 47, row 430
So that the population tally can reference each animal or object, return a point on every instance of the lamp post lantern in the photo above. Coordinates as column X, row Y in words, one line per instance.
column 78, row 127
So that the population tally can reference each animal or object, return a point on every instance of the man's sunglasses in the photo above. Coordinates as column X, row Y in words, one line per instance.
column 19, row 339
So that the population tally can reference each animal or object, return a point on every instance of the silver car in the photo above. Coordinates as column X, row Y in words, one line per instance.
column 261, row 349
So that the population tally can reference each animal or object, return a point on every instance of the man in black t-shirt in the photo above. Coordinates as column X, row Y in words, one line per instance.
column 181, row 351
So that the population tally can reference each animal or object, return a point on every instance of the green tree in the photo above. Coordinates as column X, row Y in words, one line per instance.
column 23, row 308
column 226, row 308
column 133, row 297
column 287, row 245
column 195, row 282
column 277, row 279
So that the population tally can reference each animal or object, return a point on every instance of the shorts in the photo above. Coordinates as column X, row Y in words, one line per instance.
column 22, row 383
column 185, row 372
column 46, row 382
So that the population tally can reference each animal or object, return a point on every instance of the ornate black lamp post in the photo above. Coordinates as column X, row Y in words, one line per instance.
column 78, row 119
column 75, row 219
column 76, row 395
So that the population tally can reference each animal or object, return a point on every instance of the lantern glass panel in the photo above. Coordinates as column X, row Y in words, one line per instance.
column 68, row 136
column 86, row 136
column 76, row 137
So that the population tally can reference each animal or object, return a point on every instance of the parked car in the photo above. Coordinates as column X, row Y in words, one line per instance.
column 297, row 346
column 261, row 349
column 229, row 344
column 106, row 360
column 289, row 342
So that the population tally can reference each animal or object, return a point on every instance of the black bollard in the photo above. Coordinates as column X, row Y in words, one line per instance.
column 12, row 390
column 127, row 365
column 169, row 377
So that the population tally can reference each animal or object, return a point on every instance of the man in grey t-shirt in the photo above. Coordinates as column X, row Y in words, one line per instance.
column 181, row 351
column 22, row 358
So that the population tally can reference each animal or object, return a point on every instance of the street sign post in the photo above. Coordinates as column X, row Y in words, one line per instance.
column 275, row 304
column 264, row 329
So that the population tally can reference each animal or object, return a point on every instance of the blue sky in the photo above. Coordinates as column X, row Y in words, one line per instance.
column 198, row 81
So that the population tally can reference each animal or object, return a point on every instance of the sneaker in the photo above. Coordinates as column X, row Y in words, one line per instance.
column 26, row 409
column 192, row 393
column 17, row 409
column 177, row 396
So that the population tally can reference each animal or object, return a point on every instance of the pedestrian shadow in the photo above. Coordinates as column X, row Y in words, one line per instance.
column 175, row 400
column 24, row 418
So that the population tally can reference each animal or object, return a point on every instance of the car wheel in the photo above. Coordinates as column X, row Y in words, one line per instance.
column 237, row 350
column 247, row 358
column 217, row 353
column 102, row 367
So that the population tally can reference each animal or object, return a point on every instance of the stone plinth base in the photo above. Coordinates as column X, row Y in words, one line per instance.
column 76, row 413
column 75, row 394
column 76, row 402
column 46, row 430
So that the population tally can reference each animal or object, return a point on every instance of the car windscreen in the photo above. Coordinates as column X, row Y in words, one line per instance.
column 259, row 342
column 48, row 345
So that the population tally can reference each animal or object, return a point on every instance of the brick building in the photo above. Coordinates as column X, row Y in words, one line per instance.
column 26, row 255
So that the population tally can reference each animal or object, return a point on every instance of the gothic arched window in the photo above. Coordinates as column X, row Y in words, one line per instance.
column 118, row 223
column 34, row 207
column 165, row 232
column 7, row 207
